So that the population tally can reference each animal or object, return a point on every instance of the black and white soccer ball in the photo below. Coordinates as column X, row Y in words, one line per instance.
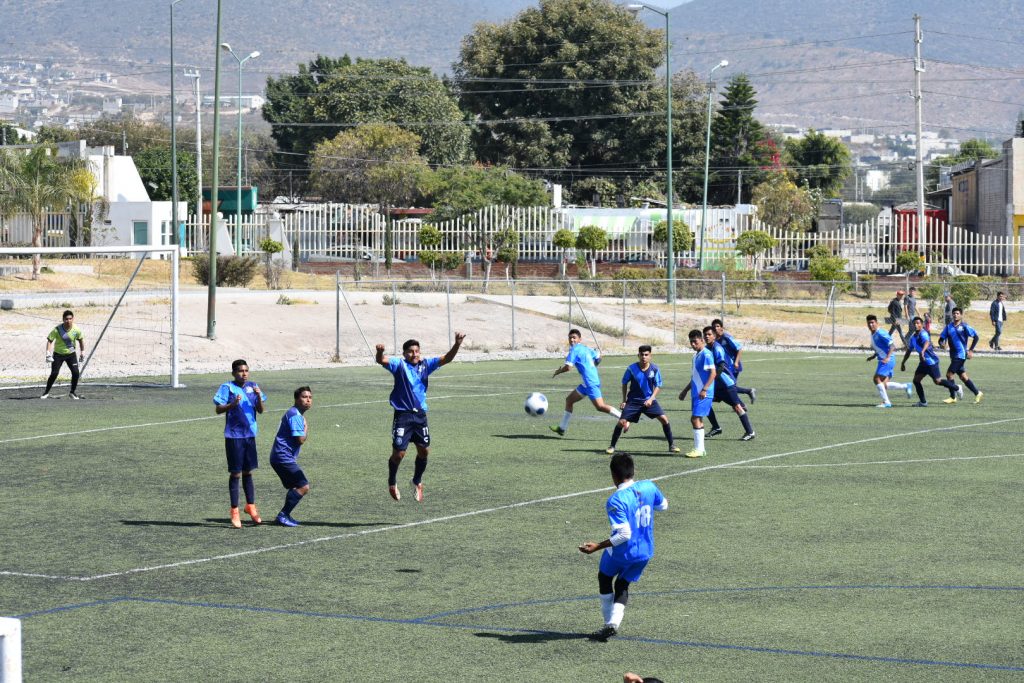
column 536, row 404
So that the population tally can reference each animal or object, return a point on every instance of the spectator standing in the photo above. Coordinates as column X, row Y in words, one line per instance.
column 895, row 317
column 947, row 313
column 997, row 314
column 910, row 303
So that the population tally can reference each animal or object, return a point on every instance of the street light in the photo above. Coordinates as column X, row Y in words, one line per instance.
column 707, row 158
column 238, row 171
column 636, row 8
column 174, row 139
column 211, row 288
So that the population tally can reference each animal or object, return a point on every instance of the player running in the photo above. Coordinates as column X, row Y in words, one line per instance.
column 921, row 343
column 956, row 335
column 284, row 454
column 631, row 544
column 409, row 400
column 585, row 360
column 734, row 350
column 882, row 343
column 643, row 380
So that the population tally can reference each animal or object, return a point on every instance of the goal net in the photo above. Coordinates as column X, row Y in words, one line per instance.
column 124, row 300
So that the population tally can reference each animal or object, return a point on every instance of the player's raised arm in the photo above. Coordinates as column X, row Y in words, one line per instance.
column 380, row 358
column 450, row 356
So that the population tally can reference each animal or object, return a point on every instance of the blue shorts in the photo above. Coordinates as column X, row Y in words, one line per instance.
column 409, row 426
column 886, row 369
column 700, row 407
column 241, row 454
column 634, row 409
column 957, row 366
column 726, row 394
column 593, row 393
column 292, row 476
column 630, row 571
column 930, row 370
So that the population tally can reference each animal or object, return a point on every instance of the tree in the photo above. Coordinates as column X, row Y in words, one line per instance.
column 429, row 238
column 154, row 166
column 592, row 239
column 87, row 206
column 9, row 134
column 781, row 204
column 819, row 161
column 826, row 267
column 506, row 242
column 682, row 236
column 753, row 243
column 909, row 262
column 970, row 150
column 738, row 143
column 565, row 240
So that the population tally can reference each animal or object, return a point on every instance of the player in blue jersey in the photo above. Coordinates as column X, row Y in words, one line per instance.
column 643, row 380
column 920, row 342
column 631, row 544
column 734, row 350
column 240, row 401
column 955, row 335
column 884, row 349
column 585, row 360
column 726, row 390
column 702, row 390
column 284, row 454
column 409, row 399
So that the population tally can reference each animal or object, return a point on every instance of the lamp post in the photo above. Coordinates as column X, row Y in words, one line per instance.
column 211, row 297
column 238, row 169
column 174, row 140
column 636, row 8
column 707, row 159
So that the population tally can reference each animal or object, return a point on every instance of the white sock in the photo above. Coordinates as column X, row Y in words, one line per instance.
column 618, row 609
column 882, row 392
column 898, row 386
column 698, row 440
column 606, row 606
column 564, row 424
column 616, row 413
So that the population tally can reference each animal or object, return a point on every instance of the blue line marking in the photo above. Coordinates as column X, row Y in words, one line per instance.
column 68, row 608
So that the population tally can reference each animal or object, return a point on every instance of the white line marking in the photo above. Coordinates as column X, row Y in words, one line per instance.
column 474, row 513
column 877, row 462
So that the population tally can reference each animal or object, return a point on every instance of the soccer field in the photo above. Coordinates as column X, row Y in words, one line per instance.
column 843, row 543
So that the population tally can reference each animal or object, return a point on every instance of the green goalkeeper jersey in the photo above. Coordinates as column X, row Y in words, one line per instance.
column 59, row 334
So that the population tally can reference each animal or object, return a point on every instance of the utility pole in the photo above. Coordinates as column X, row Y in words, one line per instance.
column 739, row 187
column 211, row 297
column 918, row 70
column 194, row 75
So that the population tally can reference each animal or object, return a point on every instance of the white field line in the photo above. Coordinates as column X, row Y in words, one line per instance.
column 475, row 513
column 877, row 462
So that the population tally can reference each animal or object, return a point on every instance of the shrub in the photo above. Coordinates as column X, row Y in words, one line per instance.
column 828, row 268
column 271, row 270
column 866, row 284
column 232, row 271
column 964, row 290
column 909, row 261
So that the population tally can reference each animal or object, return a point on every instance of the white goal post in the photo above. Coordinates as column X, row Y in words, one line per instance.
column 10, row 650
column 125, row 300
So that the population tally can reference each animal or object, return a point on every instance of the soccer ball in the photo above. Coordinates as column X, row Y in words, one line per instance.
column 536, row 404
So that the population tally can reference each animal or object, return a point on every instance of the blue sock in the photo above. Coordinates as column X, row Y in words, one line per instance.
column 420, row 468
column 290, row 501
column 393, row 471
column 233, row 490
column 745, row 419
column 249, row 488
column 970, row 385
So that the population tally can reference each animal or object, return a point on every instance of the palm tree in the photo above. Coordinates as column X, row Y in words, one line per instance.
column 35, row 182
column 87, row 206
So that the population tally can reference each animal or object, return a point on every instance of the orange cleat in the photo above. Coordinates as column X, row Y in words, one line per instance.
column 236, row 520
column 417, row 491
column 250, row 509
column 393, row 490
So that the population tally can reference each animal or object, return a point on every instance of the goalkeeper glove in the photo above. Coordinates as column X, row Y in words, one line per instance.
column 49, row 358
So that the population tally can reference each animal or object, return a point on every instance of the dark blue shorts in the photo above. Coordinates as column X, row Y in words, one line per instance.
column 634, row 409
column 930, row 370
column 241, row 454
column 956, row 365
column 408, row 426
column 292, row 476
column 726, row 394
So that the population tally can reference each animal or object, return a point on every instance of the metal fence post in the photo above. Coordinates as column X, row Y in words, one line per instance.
column 833, row 296
column 513, row 315
column 723, row 296
column 394, row 317
column 675, row 308
column 448, row 306
column 337, row 316
column 623, row 314
column 568, row 289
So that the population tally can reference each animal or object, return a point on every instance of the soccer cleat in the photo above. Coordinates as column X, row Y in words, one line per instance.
column 557, row 430
column 715, row 431
column 236, row 520
column 74, row 396
column 959, row 393
column 695, row 454
column 749, row 436
column 417, row 491
column 610, row 450
column 884, row 405
column 393, row 490
column 45, row 396
column 250, row 509
column 910, row 390
column 674, row 449
column 977, row 399
column 602, row 634
column 753, row 395
column 951, row 399
column 921, row 404
column 285, row 520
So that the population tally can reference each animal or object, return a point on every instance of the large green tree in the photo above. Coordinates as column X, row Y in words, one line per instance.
column 289, row 99
column 154, row 166
column 781, row 204
column 819, row 162
column 9, row 134
column 740, row 144
column 970, row 150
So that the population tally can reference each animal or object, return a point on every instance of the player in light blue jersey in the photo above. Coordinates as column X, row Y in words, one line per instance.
column 734, row 350
column 409, row 400
column 643, row 381
column 585, row 360
column 920, row 342
column 726, row 390
column 702, row 390
column 884, row 348
column 284, row 454
column 631, row 544
column 956, row 334
column 240, row 401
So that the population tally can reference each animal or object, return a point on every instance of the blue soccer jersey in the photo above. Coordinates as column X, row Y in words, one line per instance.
column 703, row 364
column 881, row 342
column 917, row 341
column 239, row 424
column 642, row 383
column 286, row 444
column 584, row 359
column 732, row 349
column 410, row 392
column 632, row 507
column 722, row 358
column 956, row 336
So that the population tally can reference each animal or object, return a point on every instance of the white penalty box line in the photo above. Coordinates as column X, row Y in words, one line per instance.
column 485, row 511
